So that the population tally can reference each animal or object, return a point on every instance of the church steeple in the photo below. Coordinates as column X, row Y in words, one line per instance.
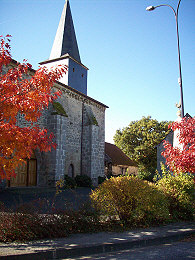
column 65, row 40
column 65, row 52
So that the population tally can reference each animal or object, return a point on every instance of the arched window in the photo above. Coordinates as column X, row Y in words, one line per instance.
column 71, row 170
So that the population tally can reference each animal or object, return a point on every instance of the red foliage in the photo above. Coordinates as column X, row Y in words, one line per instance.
column 25, row 92
column 182, row 158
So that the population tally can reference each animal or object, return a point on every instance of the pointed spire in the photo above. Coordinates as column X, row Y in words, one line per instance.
column 65, row 39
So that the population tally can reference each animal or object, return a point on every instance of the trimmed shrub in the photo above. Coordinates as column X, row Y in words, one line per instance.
column 24, row 227
column 69, row 182
column 83, row 181
column 101, row 179
column 131, row 200
column 179, row 189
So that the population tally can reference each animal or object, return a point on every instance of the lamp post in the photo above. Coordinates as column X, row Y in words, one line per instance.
column 151, row 8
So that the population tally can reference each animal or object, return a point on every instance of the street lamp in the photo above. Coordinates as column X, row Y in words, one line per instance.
column 151, row 8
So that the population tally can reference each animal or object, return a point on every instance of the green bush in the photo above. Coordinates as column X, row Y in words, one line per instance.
column 83, row 181
column 69, row 182
column 179, row 189
column 145, row 174
column 131, row 200
column 101, row 179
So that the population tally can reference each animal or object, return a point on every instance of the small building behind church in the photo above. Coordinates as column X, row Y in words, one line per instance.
column 117, row 162
column 77, row 120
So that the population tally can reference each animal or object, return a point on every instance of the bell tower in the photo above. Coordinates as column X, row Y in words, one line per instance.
column 65, row 51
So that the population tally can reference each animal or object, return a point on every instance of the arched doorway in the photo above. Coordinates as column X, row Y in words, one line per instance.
column 71, row 170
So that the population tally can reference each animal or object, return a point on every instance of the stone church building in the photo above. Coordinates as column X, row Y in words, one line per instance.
column 77, row 121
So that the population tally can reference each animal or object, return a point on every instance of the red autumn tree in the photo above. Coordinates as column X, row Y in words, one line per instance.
column 26, row 92
column 182, row 158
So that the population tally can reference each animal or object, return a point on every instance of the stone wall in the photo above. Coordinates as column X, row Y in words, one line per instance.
column 160, row 149
column 93, row 140
column 80, row 139
column 123, row 170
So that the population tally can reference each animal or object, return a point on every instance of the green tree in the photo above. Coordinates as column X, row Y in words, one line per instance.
column 138, row 141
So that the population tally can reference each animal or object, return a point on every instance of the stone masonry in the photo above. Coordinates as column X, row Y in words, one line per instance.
column 160, row 149
column 80, row 139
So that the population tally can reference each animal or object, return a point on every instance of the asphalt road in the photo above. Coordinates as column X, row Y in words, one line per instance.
column 171, row 251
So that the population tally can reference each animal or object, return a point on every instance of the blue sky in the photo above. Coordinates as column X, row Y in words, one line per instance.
column 131, row 54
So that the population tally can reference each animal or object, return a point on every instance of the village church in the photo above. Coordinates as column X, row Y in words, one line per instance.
column 77, row 121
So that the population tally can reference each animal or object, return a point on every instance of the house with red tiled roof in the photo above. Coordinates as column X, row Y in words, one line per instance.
column 117, row 162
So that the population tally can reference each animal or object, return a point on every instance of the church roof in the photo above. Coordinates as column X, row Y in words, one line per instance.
column 81, row 94
column 14, row 62
column 65, row 39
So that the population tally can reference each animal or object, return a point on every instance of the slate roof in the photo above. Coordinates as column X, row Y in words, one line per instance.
column 117, row 156
column 65, row 39
column 14, row 62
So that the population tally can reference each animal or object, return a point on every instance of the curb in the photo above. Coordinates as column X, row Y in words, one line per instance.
column 78, row 251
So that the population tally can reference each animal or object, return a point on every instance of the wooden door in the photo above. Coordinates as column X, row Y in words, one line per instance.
column 32, row 172
column 21, row 177
column 26, row 174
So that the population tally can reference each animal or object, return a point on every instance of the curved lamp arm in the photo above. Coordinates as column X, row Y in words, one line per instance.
column 151, row 8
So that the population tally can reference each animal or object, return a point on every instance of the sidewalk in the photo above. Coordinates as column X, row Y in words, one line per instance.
column 87, row 244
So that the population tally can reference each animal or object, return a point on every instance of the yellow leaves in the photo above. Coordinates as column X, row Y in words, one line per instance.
column 59, row 185
column 130, row 199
